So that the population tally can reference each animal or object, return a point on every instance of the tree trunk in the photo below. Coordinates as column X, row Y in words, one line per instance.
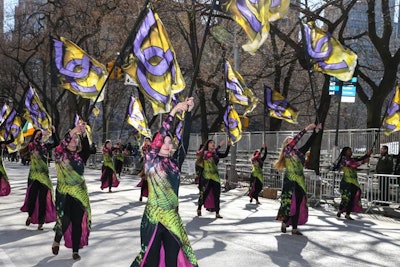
column 323, row 110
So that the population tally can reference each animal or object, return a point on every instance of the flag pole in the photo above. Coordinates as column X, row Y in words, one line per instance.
column 121, row 54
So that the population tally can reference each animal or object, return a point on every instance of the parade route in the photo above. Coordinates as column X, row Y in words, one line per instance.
column 248, row 234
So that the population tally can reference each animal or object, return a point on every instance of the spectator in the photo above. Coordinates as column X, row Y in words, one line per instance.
column 384, row 166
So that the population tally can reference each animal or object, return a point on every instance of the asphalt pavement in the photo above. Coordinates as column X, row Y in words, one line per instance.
column 248, row 234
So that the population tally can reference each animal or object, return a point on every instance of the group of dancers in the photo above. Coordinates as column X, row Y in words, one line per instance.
column 164, row 240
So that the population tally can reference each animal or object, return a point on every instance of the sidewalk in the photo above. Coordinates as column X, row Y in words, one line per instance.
column 248, row 235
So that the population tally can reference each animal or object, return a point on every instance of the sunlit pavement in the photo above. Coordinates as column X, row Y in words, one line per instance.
column 248, row 234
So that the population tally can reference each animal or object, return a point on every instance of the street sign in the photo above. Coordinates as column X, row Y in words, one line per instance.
column 348, row 89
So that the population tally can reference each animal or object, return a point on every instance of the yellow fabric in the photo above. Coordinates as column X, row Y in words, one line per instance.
column 234, row 126
column 137, row 119
column 71, row 52
column 166, row 85
column 392, row 120
column 338, row 55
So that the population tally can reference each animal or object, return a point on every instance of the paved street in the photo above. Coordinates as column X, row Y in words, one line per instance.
column 248, row 235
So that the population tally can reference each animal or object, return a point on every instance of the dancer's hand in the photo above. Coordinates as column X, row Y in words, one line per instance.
column 310, row 127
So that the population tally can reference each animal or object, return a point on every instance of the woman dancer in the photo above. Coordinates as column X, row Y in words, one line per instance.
column 72, row 198
column 144, row 192
column 5, row 188
column 293, row 210
column 212, row 192
column 256, row 177
column 349, row 186
column 163, row 235
column 118, row 158
column 108, row 176
column 39, row 202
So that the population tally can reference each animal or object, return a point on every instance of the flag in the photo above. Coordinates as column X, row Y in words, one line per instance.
column 391, row 123
column 328, row 53
column 136, row 117
column 254, row 18
column 233, row 125
column 12, row 125
column 279, row 107
column 79, row 73
column 238, row 92
column 28, row 129
column 235, row 85
column 278, row 9
column 153, row 65
column 35, row 112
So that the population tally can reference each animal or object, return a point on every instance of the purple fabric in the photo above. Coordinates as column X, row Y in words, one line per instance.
column 303, row 216
column 209, row 202
column 5, row 188
column 104, row 183
column 85, row 233
column 182, row 261
column 51, row 214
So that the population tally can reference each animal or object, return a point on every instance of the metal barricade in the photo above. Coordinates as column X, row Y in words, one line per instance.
column 383, row 189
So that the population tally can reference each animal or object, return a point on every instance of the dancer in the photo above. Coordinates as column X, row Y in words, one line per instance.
column 108, row 176
column 72, row 198
column 163, row 235
column 5, row 188
column 212, row 192
column 118, row 158
column 144, row 192
column 39, row 202
column 256, row 177
column 349, row 186
column 293, row 210
column 199, row 167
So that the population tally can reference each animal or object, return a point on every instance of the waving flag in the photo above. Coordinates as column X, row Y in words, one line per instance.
column 233, row 125
column 153, row 65
column 79, row 73
column 238, row 92
column 12, row 125
column 35, row 113
column 136, row 117
column 254, row 17
column 278, row 9
column 28, row 129
column 328, row 53
column 279, row 107
column 391, row 122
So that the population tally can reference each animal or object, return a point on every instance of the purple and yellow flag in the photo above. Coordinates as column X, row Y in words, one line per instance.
column 391, row 122
column 328, row 53
column 136, row 117
column 34, row 111
column 254, row 17
column 79, row 73
column 153, row 65
column 238, row 92
column 12, row 125
column 279, row 107
column 233, row 125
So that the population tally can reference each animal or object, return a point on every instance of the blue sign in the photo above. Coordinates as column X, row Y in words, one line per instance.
column 348, row 88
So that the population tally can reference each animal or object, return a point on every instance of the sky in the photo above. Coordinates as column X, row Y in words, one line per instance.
column 8, row 17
